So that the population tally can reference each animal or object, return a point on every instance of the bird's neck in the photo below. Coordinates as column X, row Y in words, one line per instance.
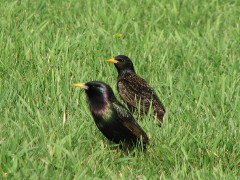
column 99, row 105
column 125, row 71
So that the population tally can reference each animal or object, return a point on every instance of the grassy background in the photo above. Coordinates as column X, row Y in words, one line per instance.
column 187, row 50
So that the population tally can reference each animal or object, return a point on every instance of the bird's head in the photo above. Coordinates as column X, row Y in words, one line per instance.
column 98, row 93
column 122, row 63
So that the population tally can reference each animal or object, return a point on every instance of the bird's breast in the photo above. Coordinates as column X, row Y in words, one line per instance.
column 102, row 115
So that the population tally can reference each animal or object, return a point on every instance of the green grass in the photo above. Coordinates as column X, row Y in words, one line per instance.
column 187, row 50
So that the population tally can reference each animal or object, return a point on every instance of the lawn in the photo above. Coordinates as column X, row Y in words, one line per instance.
column 189, row 51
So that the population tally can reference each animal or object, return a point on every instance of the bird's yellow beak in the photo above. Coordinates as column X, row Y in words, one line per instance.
column 112, row 60
column 81, row 85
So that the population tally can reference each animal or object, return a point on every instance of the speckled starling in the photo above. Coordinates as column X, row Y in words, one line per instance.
column 134, row 90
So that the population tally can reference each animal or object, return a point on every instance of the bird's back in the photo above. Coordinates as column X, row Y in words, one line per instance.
column 134, row 90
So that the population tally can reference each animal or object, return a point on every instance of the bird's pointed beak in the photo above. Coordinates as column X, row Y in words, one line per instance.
column 81, row 85
column 112, row 60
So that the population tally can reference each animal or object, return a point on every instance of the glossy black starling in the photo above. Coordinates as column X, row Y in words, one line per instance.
column 111, row 117
column 134, row 89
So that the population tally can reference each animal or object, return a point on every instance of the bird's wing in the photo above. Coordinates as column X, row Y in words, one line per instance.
column 129, row 122
column 133, row 89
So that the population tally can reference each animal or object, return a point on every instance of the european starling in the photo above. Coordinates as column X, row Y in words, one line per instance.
column 111, row 117
column 134, row 90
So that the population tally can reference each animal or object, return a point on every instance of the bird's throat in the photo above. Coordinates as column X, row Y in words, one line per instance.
column 100, row 106
column 99, row 109
column 125, row 72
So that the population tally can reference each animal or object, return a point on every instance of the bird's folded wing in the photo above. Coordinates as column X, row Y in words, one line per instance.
column 134, row 89
column 129, row 122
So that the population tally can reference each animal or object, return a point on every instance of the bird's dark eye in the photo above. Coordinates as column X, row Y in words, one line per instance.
column 120, row 60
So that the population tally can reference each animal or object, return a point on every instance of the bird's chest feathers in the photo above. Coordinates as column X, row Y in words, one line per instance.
column 103, row 113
